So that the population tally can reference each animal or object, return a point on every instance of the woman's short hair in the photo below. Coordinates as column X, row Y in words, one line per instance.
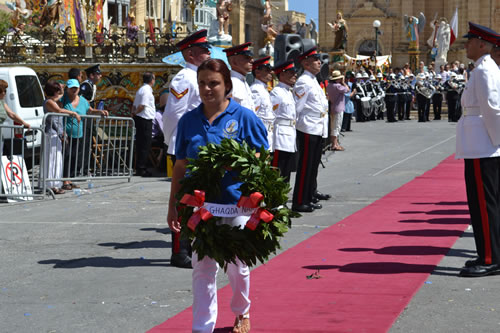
column 51, row 88
column 219, row 66
column 3, row 86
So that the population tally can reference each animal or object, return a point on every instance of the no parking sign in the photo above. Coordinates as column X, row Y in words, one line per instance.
column 15, row 179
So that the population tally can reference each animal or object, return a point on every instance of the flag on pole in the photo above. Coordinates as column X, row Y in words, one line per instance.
column 454, row 27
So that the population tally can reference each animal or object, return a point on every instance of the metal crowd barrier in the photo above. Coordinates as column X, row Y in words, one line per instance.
column 96, row 148
column 19, row 171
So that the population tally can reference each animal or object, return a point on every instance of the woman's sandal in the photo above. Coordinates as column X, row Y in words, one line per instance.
column 242, row 324
column 58, row 190
column 69, row 187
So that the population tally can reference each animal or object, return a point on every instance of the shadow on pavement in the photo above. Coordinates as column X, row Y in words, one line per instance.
column 444, row 220
column 422, row 233
column 105, row 262
column 149, row 244
column 412, row 250
column 377, row 268
column 165, row 231
column 442, row 203
column 438, row 212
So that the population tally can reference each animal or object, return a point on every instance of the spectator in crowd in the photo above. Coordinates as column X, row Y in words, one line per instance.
column 6, row 112
column 406, row 69
column 462, row 71
column 336, row 90
column 74, row 129
column 75, row 73
column 455, row 66
column 445, row 75
column 349, row 105
column 470, row 67
column 421, row 68
column 144, row 111
column 206, row 124
column 55, row 136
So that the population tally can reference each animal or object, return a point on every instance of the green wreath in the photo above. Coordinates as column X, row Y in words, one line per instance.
column 263, row 190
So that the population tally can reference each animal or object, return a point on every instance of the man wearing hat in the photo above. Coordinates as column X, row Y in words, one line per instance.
column 312, row 126
column 284, row 139
column 336, row 90
column 478, row 143
column 88, row 87
column 184, row 96
column 437, row 98
column 452, row 96
column 240, row 59
column 261, row 99
column 391, row 98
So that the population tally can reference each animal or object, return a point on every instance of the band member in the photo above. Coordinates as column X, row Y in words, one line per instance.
column 437, row 98
column 430, row 88
column 262, row 100
column 284, row 139
column 401, row 97
column 312, row 126
column 184, row 96
column 88, row 88
column 241, row 61
column 478, row 143
column 391, row 98
column 452, row 96
column 358, row 86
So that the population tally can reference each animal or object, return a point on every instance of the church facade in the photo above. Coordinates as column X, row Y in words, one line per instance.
column 392, row 39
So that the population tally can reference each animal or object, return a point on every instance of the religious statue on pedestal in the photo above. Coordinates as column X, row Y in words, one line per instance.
column 339, row 28
column 413, row 27
column 224, row 7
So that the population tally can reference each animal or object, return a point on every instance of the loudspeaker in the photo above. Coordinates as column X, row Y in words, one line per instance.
column 308, row 44
column 325, row 68
column 286, row 47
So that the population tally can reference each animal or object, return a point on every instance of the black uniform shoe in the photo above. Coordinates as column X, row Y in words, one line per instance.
column 316, row 206
column 480, row 270
column 315, row 200
column 321, row 196
column 474, row 262
column 180, row 260
column 303, row 208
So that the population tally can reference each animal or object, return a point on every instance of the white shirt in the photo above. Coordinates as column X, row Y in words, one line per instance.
column 241, row 93
column 263, row 108
column 144, row 96
column 184, row 96
column 312, row 106
column 478, row 130
column 284, row 138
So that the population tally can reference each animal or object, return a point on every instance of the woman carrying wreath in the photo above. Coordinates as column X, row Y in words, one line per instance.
column 216, row 118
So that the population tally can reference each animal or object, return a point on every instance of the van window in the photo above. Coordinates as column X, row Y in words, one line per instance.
column 29, row 91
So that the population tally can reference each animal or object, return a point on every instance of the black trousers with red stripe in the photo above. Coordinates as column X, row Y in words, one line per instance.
column 309, row 150
column 482, row 179
column 285, row 162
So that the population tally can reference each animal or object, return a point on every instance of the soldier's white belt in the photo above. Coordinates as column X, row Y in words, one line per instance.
column 318, row 115
column 471, row 111
column 269, row 124
column 222, row 210
column 285, row 122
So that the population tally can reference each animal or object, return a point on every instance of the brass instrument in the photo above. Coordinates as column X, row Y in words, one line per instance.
column 425, row 90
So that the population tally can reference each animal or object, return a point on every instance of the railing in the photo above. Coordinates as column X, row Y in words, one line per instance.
column 96, row 148
column 119, row 45
column 19, row 174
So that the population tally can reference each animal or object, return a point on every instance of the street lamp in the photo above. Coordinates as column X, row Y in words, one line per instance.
column 376, row 25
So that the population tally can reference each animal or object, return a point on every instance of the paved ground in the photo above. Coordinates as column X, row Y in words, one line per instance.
column 99, row 262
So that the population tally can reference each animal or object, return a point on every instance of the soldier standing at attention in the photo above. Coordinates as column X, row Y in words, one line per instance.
column 261, row 98
column 312, row 126
column 88, row 88
column 184, row 96
column 284, row 140
column 478, row 143
column 241, row 61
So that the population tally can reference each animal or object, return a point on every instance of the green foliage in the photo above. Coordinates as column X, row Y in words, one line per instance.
column 5, row 23
column 222, row 242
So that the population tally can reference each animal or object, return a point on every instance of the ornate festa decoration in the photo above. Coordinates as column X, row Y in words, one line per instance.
column 264, row 195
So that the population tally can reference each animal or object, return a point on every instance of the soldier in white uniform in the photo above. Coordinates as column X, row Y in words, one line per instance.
column 261, row 98
column 312, row 125
column 284, row 139
column 241, row 61
column 184, row 96
column 478, row 142
column 495, row 54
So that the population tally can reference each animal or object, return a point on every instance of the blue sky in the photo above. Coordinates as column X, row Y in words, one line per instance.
column 309, row 7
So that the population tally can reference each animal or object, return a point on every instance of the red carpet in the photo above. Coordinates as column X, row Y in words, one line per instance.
column 371, row 263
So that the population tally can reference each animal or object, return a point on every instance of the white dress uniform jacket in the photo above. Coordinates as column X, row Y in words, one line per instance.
column 284, row 125
column 184, row 96
column 478, row 130
column 311, row 106
column 263, row 108
column 241, row 93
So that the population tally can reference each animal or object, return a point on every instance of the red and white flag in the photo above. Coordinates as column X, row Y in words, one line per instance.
column 454, row 27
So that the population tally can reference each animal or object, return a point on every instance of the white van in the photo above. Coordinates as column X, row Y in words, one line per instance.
column 25, row 97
